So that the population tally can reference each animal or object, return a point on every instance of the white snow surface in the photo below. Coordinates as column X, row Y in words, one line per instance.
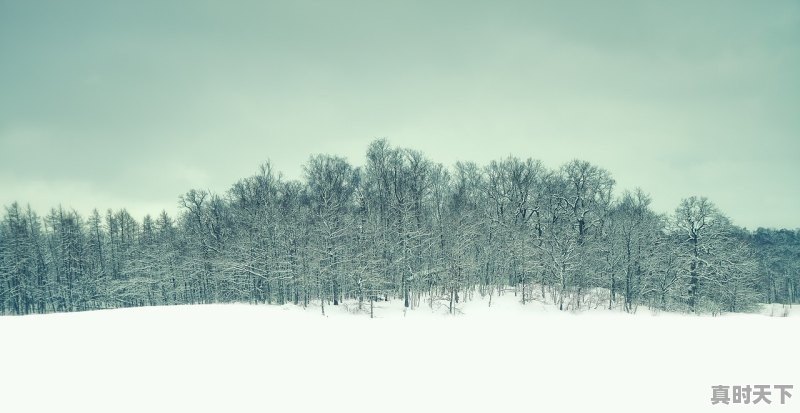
column 510, row 357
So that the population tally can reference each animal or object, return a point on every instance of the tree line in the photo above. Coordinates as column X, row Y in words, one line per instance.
column 402, row 227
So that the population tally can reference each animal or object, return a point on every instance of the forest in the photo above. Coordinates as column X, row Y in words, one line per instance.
column 402, row 227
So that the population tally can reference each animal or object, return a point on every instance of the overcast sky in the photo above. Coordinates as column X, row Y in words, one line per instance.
column 109, row 105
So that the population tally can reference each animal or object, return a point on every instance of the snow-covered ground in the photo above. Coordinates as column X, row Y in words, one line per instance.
column 284, row 358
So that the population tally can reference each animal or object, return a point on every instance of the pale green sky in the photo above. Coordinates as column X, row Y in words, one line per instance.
column 113, row 104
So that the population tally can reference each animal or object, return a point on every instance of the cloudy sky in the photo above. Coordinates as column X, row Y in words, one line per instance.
column 130, row 104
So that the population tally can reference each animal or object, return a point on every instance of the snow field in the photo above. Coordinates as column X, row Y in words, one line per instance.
column 508, row 357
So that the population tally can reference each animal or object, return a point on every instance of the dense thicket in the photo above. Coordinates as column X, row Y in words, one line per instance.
column 402, row 227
